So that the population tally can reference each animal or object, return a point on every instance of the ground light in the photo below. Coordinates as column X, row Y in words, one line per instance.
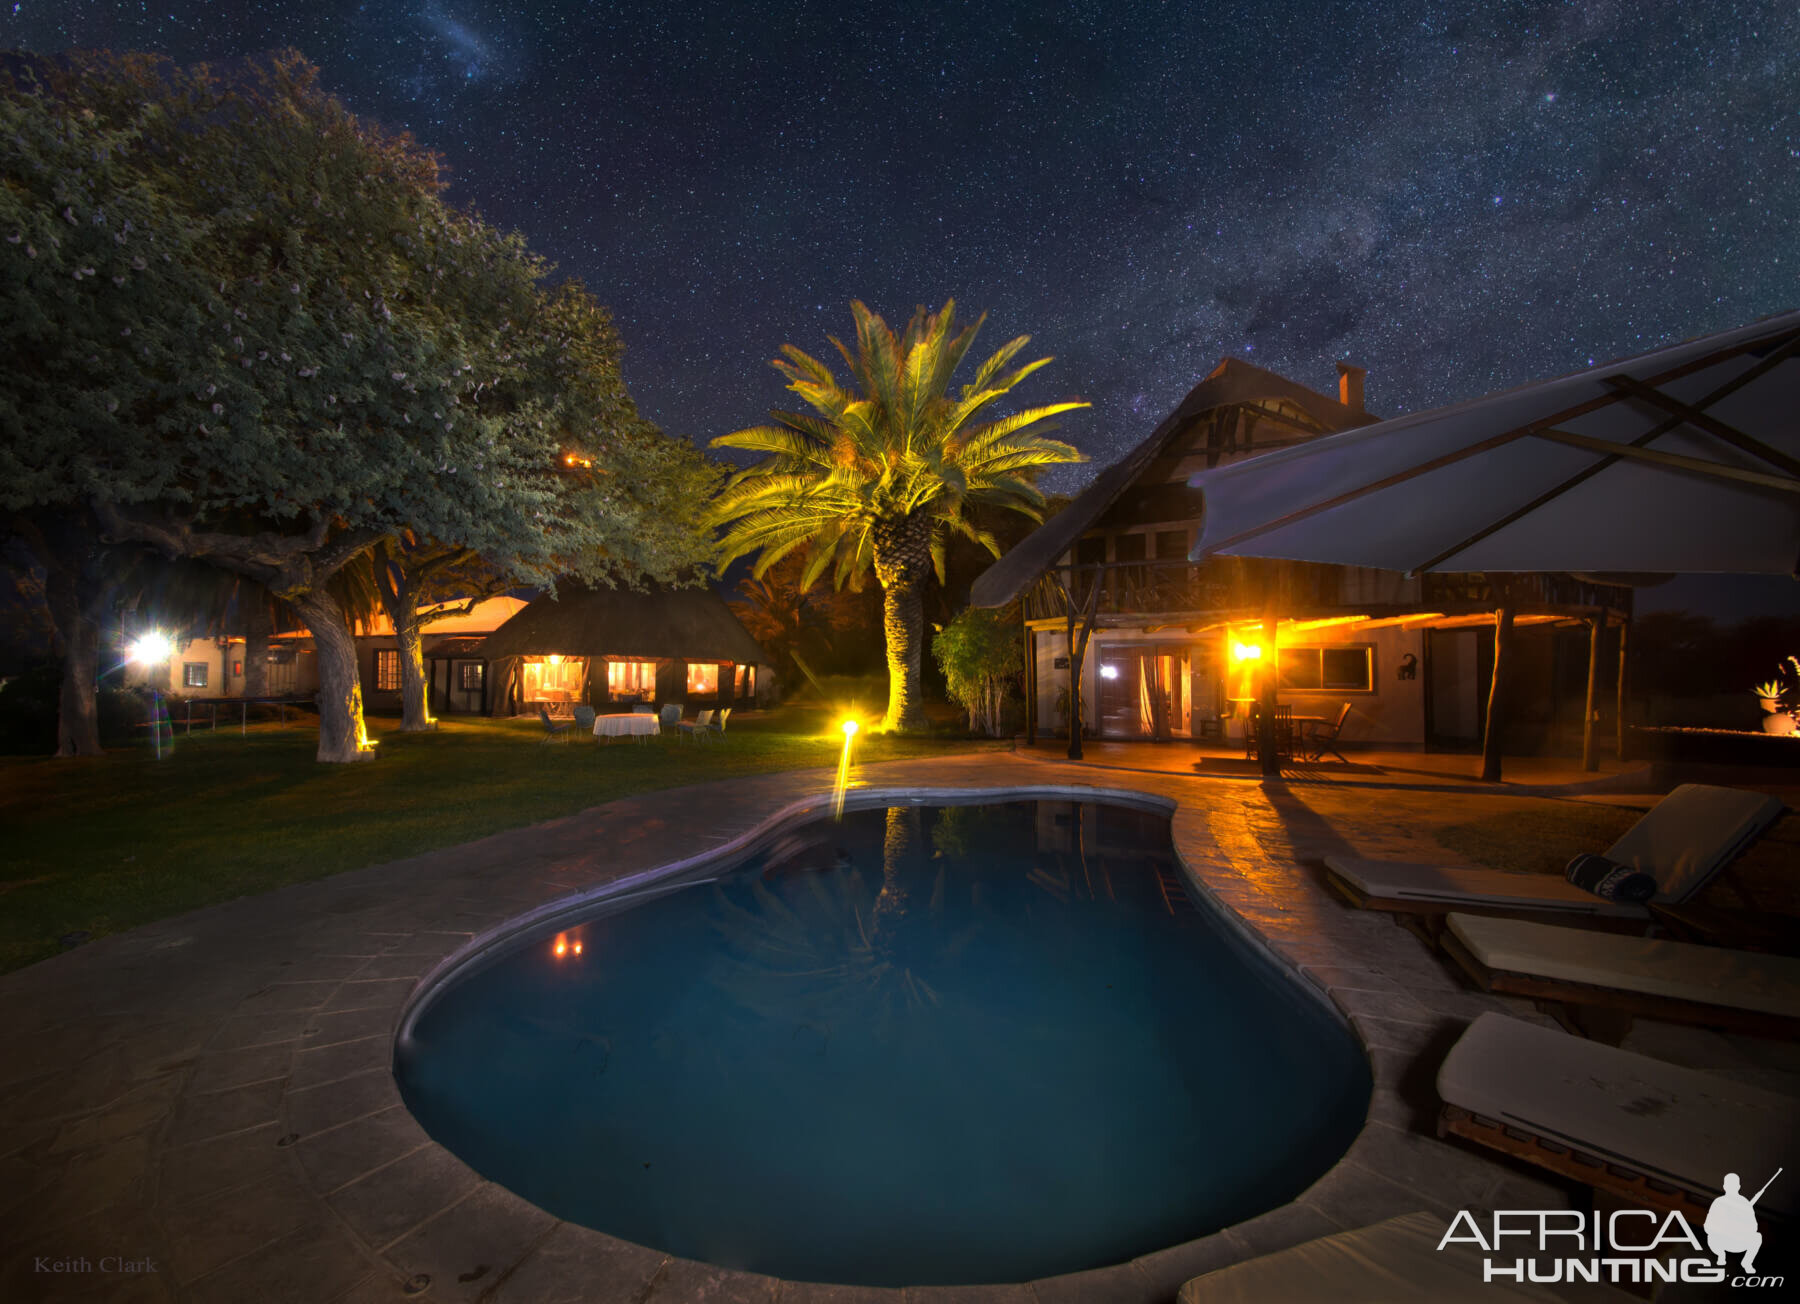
column 843, row 775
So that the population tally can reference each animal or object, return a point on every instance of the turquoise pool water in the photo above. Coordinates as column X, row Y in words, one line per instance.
column 924, row 1045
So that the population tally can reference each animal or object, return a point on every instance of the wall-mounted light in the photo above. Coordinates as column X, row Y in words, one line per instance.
column 1246, row 651
column 1109, row 671
column 151, row 648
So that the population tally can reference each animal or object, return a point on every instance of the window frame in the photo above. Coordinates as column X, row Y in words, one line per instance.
column 1318, row 652
column 475, row 671
column 193, row 674
column 701, row 689
column 387, row 659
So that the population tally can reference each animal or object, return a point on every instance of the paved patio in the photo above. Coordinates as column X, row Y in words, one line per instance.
column 202, row 1109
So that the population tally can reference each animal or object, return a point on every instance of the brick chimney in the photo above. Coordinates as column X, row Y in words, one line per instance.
column 1350, row 385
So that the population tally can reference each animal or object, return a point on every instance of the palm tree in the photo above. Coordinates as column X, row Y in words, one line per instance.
column 882, row 475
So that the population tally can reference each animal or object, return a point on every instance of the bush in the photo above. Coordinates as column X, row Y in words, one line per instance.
column 980, row 653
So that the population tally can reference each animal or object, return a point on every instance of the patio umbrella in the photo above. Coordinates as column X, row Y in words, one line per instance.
column 1686, row 459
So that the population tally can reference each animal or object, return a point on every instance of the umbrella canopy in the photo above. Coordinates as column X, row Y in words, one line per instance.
column 1685, row 459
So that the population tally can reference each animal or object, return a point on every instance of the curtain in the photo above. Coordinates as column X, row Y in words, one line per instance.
column 1153, row 696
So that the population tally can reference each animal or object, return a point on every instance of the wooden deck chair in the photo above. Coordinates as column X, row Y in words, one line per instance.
column 1681, row 842
column 1739, row 991
column 1614, row 1120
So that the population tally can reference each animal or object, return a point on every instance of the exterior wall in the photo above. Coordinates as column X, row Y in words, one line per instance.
column 1392, row 714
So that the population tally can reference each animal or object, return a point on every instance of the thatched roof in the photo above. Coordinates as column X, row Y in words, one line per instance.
column 1231, row 382
column 687, row 624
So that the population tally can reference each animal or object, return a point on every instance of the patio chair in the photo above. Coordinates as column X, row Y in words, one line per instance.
column 670, row 717
column 718, row 724
column 1317, row 739
column 1712, row 986
column 1284, row 733
column 584, row 718
column 1391, row 1262
column 1655, row 1133
column 552, row 728
column 698, row 727
column 643, row 708
column 1681, row 842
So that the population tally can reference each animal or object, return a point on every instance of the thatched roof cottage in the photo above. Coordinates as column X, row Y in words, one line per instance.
column 616, row 648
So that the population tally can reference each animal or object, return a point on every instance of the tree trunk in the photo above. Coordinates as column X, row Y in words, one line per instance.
column 400, row 598
column 1493, row 737
column 341, row 735
column 902, row 555
column 258, row 626
column 76, row 593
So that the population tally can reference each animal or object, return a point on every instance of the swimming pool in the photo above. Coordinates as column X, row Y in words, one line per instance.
column 925, row 1045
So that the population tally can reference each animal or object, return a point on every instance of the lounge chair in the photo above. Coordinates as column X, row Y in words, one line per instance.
column 552, row 728
column 1392, row 1262
column 1708, row 985
column 698, row 727
column 1681, row 842
column 1655, row 1133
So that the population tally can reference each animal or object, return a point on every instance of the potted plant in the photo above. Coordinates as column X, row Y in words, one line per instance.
column 1780, row 698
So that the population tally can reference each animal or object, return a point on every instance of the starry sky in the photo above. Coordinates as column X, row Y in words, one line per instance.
column 1459, row 196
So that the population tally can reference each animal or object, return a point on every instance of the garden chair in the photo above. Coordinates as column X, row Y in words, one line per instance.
column 584, row 718
column 1681, row 842
column 552, row 728
column 718, row 724
column 698, row 727
column 1317, row 739
column 670, row 718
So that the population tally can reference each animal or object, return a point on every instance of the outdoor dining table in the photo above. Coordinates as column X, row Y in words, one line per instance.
column 626, row 726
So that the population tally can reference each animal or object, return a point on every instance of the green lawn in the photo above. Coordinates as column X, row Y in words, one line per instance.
column 102, row 845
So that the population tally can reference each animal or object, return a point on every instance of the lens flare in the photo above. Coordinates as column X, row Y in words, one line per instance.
column 152, row 648
column 843, row 773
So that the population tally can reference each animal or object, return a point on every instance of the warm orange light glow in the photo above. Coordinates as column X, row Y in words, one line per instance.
column 560, row 947
column 555, row 659
column 1246, row 651
column 571, row 459
column 577, row 948
column 849, row 727
column 1324, row 622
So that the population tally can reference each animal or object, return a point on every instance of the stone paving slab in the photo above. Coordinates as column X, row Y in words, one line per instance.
column 212, row 1093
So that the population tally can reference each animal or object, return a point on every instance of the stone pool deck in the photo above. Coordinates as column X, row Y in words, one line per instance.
column 202, row 1109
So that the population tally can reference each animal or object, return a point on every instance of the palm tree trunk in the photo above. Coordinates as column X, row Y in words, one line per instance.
column 341, row 736
column 902, row 554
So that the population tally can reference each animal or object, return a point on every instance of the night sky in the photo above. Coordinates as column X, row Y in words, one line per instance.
column 1458, row 196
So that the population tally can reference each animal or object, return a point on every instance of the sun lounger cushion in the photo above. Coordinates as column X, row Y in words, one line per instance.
column 1710, row 975
column 1392, row 1262
column 1608, row 879
column 1681, row 842
column 1685, row 838
column 1394, row 880
column 1664, row 1121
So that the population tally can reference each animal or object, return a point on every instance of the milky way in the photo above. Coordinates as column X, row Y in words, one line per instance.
column 1458, row 196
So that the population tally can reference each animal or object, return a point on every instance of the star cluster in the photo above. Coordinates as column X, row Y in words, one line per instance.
column 1458, row 196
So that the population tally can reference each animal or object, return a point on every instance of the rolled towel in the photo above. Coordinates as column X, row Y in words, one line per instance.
column 1609, row 880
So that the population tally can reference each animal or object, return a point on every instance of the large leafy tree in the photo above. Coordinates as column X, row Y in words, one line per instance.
column 247, row 327
column 882, row 472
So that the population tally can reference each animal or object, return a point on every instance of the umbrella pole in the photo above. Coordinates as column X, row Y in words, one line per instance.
column 1491, row 736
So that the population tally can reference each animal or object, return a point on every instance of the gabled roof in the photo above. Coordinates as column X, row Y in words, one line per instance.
column 1231, row 382
column 683, row 624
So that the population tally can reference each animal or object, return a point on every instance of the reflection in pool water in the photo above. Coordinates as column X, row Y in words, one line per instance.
column 920, row 1046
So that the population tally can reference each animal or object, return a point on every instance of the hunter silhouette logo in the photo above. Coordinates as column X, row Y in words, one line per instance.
column 1731, row 1223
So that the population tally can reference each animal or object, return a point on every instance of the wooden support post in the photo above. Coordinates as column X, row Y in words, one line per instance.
column 1030, row 676
column 1077, row 651
column 1268, row 686
column 1589, row 761
column 1495, row 731
column 1624, row 629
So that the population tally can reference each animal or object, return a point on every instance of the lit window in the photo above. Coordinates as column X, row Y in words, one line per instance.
column 631, row 678
column 1328, row 669
column 193, row 674
column 387, row 670
column 743, row 681
column 472, row 675
column 703, row 678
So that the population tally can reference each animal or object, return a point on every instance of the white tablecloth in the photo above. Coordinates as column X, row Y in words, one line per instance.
column 625, row 726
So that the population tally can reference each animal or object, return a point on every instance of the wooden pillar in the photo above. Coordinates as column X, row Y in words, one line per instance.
column 1496, row 711
column 1030, row 675
column 1074, row 671
column 1624, row 628
column 1589, row 761
column 1268, row 687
